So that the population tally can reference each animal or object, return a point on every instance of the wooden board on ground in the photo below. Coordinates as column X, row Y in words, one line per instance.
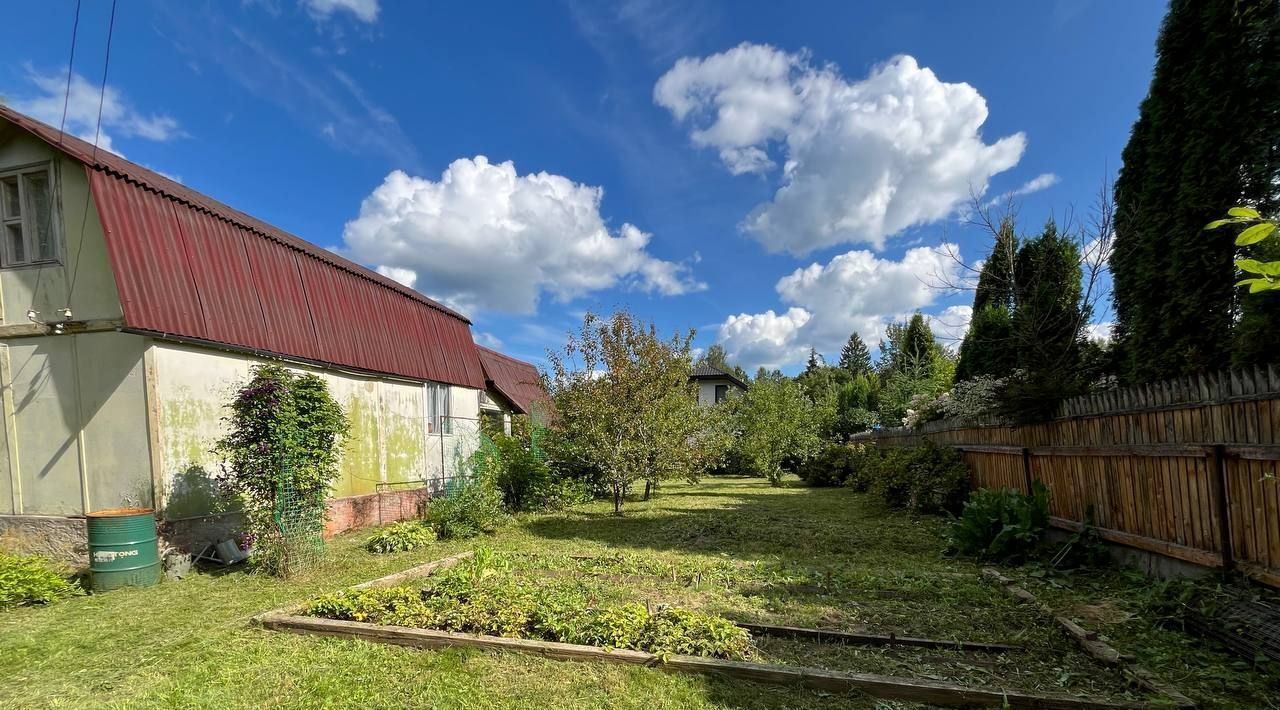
column 888, row 687
column 1092, row 645
column 874, row 639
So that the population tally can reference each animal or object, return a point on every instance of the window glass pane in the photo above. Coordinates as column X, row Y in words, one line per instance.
column 39, row 206
column 9, row 186
column 447, row 422
column 15, row 250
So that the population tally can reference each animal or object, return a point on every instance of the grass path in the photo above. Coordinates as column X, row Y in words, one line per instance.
column 188, row 643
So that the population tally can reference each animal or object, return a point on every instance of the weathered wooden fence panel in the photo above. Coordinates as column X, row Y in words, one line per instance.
column 1188, row 468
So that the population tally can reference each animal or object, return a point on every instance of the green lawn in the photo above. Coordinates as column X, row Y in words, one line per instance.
column 796, row 556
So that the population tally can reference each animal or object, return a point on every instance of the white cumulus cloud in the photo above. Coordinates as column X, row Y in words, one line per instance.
column 854, row 292
column 949, row 326
column 861, row 160
column 484, row 237
column 764, row 339
column 1100, row 332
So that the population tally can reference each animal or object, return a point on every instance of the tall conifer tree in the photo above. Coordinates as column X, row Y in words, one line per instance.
column 1205, row 140
column 855, row 357
column 988, row 347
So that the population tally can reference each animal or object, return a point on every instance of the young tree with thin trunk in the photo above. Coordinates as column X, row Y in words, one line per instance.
column 624, row 404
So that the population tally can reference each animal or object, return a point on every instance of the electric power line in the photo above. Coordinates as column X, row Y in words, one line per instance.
column 62, row 132
column 97, row 133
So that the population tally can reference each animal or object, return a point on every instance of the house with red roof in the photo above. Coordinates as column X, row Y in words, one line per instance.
column 131, row 307
column 511, row 387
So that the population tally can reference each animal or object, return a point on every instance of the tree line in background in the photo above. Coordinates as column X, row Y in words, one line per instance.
column 626, row 412
column 1207, row 139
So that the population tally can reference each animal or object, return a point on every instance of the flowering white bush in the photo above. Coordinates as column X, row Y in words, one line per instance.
column 968, row 400
column 974, row 398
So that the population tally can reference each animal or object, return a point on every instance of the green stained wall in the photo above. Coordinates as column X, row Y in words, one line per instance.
column 388, row 440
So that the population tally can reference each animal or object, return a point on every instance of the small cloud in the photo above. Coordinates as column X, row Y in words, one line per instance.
column 1040, row 182
column 489, row 340
column 363, row 10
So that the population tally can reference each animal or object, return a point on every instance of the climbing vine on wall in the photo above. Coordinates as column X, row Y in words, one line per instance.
column 279, row 459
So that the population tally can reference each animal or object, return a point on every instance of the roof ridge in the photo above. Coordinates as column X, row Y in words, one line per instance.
column 148, row 179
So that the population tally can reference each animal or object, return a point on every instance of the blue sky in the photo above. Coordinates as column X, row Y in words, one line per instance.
column 774, row 175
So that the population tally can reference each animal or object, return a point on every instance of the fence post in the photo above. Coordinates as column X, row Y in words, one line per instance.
column 1026, row 467
column 1218, row 459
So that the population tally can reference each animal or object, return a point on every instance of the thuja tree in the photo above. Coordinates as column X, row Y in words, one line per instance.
column 280, row 457
column 1046, row 325
column 624, row 404
column 1205, row 139
column 911, row 363
column 988, row 347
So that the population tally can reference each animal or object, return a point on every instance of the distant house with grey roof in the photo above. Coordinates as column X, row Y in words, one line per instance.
column 715, row 384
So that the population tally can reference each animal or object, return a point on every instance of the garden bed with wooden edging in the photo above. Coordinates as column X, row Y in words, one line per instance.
column 873, row 685
column 1186, row 469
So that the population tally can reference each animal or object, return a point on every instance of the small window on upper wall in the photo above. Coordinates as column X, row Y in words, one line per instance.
column 28, row 217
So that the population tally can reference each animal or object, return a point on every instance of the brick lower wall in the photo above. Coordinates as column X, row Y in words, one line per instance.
column 374, row 509
column 64, row 538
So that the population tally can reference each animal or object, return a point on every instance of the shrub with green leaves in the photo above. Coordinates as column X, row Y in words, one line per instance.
column 927, row 479
column 839, row 465
column 474, row 509
column 31, row 579
column 479, row 596
column 401, row 537
column 285, row 434
column 863, row 465
column 1002, row 525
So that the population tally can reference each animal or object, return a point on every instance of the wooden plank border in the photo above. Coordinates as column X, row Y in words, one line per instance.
column 874, row 639
column 888, row 687
column 1096, row 648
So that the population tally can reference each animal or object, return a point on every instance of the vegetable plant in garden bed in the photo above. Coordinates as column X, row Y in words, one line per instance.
column 480, row 596
column 401, row 537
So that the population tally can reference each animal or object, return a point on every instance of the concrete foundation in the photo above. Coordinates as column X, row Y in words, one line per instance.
column 65, row 538
column 1149, row 563
column 59, row 538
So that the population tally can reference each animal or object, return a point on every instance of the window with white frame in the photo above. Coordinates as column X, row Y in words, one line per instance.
column 27, row 217
column 438, row 420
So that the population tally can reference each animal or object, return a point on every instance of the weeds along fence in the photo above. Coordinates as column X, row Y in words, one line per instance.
column 1186, row 468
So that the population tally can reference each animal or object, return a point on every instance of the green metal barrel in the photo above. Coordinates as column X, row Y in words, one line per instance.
column 122, row 548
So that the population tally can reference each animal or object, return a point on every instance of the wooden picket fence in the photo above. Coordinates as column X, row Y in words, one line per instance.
column 1188, row 468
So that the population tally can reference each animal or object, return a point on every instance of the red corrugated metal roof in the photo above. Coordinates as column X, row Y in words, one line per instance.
column 189, row 266
column 514, row 379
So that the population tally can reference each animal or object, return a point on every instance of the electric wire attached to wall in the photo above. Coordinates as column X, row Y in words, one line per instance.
column 97, row 134
column 32, row 313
